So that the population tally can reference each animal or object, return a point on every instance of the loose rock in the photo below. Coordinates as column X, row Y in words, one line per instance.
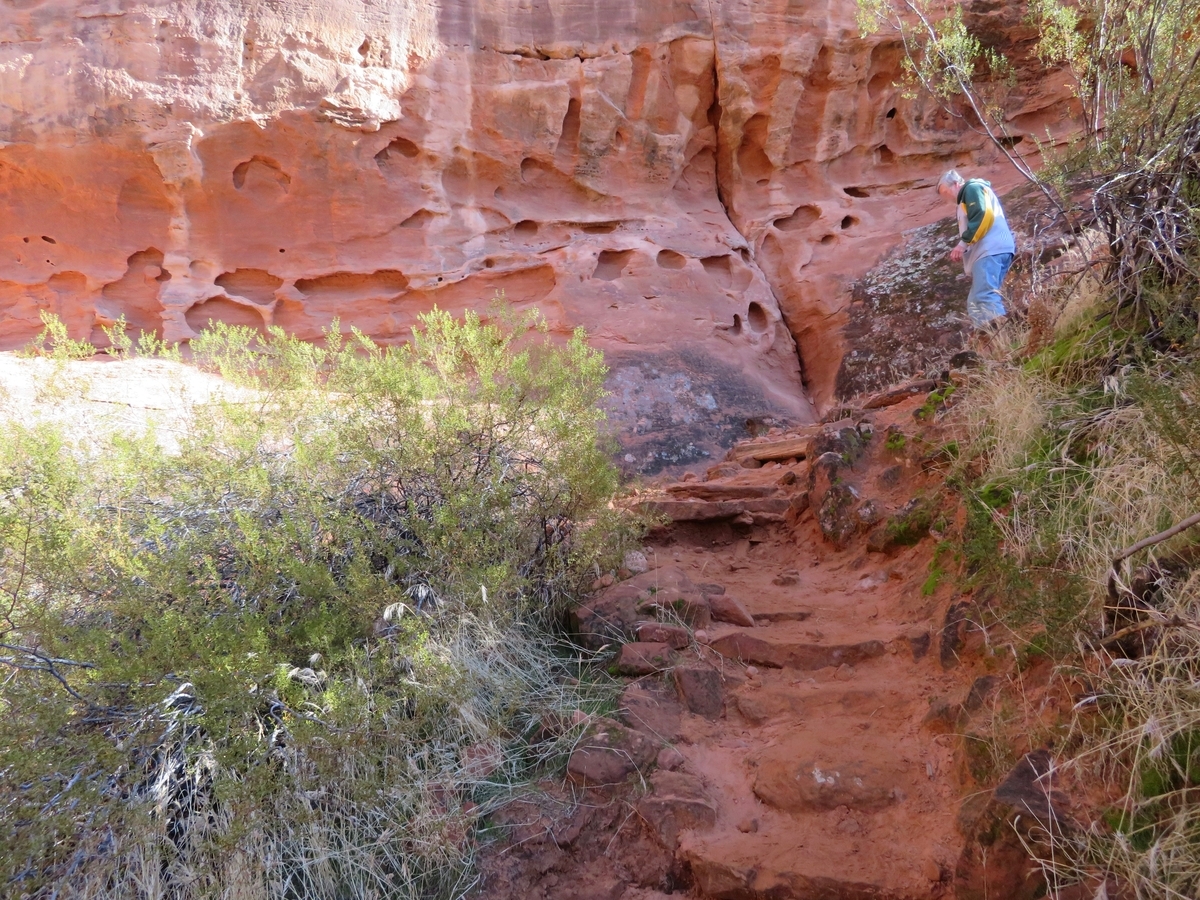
column 643, row 658
column 728, row 609
column 699, row 688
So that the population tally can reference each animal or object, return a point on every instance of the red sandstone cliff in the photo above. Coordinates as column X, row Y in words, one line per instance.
column 696, row 182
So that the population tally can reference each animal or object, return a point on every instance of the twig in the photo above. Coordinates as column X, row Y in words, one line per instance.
column 1158, row 538
column 1173, row 622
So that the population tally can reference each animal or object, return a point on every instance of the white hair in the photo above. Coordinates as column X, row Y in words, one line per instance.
column 950, row 179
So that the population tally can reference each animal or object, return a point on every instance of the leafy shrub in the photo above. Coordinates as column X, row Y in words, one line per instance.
column 301, row 656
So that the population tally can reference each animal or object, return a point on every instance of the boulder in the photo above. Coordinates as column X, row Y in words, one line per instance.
column 612, row 615
column 699, row 688
column 677, row 802
column 729, row 609
column 1023, row 808
column 837, row 517
column 608, row 753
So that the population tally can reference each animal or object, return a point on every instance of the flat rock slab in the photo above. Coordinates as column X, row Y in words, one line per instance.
column 693, row 490
column 676, row 636
column 899, row 393
column 715, row 510
column 791, row 447
column 737, row 880
column 643, row 659
column 814, row 784
column 758, row 647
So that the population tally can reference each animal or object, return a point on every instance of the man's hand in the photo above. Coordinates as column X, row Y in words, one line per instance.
column 956, row 254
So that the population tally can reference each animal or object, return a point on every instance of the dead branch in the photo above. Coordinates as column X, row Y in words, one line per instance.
column 1157, row 539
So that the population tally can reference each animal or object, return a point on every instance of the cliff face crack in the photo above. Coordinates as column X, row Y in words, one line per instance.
column 723, row 158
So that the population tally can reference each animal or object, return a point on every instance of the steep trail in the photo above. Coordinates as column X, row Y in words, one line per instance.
column 824, row 777
column 809, row 765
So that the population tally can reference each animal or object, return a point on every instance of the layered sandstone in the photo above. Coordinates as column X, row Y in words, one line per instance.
column 695, row 182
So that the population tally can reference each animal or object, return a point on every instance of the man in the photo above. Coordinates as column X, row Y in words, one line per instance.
column 985, row 245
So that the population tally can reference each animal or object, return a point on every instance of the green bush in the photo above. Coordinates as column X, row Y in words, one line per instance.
column 301, row 656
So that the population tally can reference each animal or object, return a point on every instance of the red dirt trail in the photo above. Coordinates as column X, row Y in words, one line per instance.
column 817, row 778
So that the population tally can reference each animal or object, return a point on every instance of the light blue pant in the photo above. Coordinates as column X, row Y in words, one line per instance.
column 984, row 302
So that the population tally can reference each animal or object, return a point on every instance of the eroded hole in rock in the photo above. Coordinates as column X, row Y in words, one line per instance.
column 220, row 310
column 419, row 219
column 135, row 295
column 1010, row 140
column 879, row 83
column 752, row 157
column 526, row 228
column 719, row 269
column 801, row 218
column 828, row 239
column 848, row 222
column 737, row 324
column 757, row 318
column 399, row 147
column 669, row 259
column 611, row 264
column 858, row 192
column 26, row 240
column 891, row 113
column 489, row 263
column 886, row 156
column 365, row 47
column 532, row 171
column 261, row 172
column 383, row 283
column 68, row 283
column 49, row 240
column 771, row 252
column 257, row 285
column 568, row 141
column 600, row 228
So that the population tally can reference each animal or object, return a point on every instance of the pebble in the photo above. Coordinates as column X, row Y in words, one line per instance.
column 752, row 671
column 701, row 636
column 635, row 561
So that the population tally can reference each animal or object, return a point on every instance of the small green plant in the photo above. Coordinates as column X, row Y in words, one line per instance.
column 895, row 442
column 55, row 341
column 119, row 341
column 934, row 403
column 937, row 567
column 911, row 524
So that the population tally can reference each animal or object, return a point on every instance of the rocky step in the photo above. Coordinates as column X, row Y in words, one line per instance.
column 691, row 490
column 766, row 509
column 782, row 646
column 823, row 862
column 793, row 446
